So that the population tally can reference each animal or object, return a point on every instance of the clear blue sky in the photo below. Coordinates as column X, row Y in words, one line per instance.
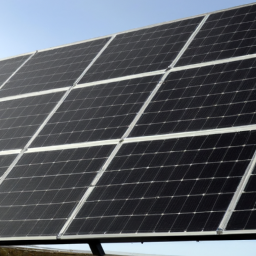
column 29, row 25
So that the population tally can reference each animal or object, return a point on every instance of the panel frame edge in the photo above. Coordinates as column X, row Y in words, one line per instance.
column 33, row 94
column 178, row 135
column 121, row 78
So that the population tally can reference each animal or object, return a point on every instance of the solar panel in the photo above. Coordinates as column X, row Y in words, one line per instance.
column 140, row 136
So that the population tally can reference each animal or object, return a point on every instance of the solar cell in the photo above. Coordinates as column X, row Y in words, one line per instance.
column 98, row 112
column 20, row 118
column 202, row 98
column 53, row 68
column 225, row 34
column 172, row 185
column 142, row 51
column 8, row 66
column 43, row 188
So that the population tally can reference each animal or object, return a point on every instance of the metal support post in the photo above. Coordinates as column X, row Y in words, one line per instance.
column 96, row 248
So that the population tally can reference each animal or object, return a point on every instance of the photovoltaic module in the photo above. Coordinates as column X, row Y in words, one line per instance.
column 145, row 134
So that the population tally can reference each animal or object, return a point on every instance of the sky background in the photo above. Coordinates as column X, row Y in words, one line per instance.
column 29, row 25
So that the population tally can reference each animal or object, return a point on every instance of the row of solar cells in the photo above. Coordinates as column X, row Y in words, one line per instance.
column 172, row 185
column 216, row 96
column 224, row 35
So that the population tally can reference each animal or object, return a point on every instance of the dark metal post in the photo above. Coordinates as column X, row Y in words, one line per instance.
column 96, row 248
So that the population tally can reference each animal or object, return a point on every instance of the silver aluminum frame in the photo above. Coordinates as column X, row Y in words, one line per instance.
column 169, row 235
column 215, row 62
column 132, row 237
column 191, row 134
column 10, row 152
column 122, row 78
column 166, row 236
column 15, row 56
column 33, row 94
column 74, row 145
column 22, row 238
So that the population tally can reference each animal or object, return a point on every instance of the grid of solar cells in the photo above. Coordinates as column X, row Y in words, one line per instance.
column 202, row 98
column 43, row 188
column 243, row 218
column 173, row 185
column 97, row 112
column 54, row 68
column 20, row 118
column 142, row 51
column 5, row 161
column 225, row 34
column 9, row 66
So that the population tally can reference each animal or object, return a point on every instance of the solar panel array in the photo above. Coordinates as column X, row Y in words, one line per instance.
column 145, row 133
